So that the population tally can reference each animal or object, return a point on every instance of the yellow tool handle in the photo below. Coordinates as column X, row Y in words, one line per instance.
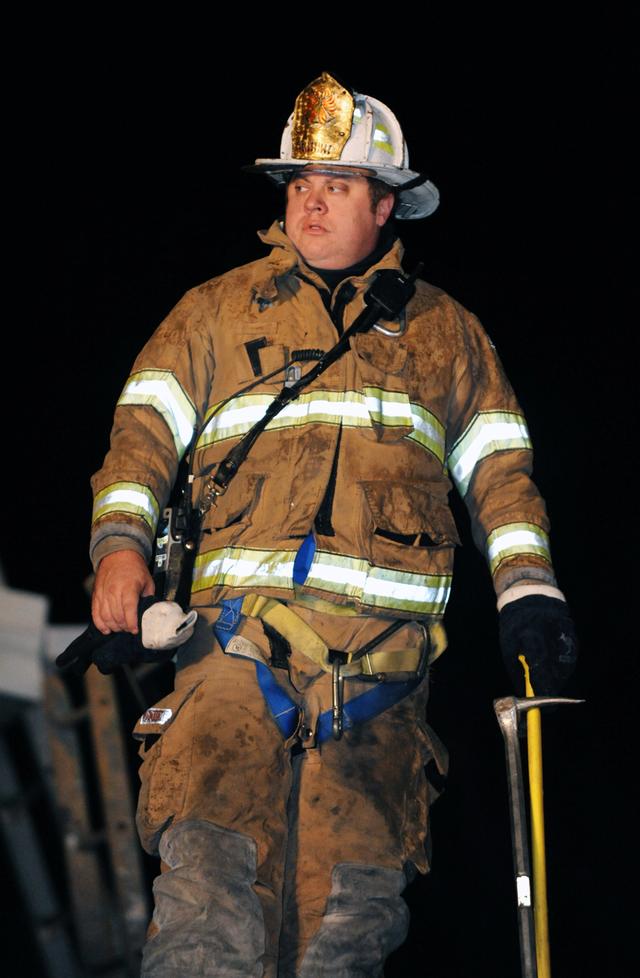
column 536, row 792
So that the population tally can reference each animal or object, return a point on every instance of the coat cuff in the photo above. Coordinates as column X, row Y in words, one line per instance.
column 108, row 538
column 526, row 590
column 521, row 572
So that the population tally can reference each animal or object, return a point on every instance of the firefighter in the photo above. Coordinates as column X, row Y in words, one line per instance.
column 282, row 781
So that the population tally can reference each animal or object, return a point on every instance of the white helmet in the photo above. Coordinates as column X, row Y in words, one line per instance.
column 330, row 129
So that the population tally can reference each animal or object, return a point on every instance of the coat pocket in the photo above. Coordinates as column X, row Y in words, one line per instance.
column 411, row 514
column 410, row 529
column 166, row 733
column 380, row 354
column 234, row 507
column 256, row 356
column 380, row 363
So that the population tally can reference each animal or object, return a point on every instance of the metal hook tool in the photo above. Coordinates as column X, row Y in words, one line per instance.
column 507, row 711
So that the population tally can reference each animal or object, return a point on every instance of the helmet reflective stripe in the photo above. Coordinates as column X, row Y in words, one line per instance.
column 353, row 409
column 489, row 432
column 236, row 567
column 161, row 390
column 378, row 587
column 382, row 140
column 514, row 539
column 126, row 497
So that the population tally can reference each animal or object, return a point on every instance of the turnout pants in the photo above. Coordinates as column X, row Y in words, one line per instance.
column 280, row 857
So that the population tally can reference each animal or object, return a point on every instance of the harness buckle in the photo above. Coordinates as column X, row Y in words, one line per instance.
column 425, row 654
column 338, row 659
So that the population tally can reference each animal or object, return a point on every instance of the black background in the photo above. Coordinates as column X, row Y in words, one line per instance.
column 128, row 191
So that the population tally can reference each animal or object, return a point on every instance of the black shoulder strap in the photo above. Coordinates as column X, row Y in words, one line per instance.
column 386, row 297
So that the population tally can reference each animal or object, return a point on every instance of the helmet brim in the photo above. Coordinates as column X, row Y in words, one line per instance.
column 416, row 196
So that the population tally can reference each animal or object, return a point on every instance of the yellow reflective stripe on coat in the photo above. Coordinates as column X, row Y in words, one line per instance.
column 161, row 390
column 386, row 407
column 353, row 409
column 238, row 567
column 378, row 587
column 489, row 432
column 427, row 431
column 514, row 539
column 126, row 497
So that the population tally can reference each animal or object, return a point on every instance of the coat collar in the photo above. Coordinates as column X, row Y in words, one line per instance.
column 285, row 260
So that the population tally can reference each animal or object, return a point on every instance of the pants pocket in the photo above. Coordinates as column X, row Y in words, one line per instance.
column 166, row 733
column 431, row 761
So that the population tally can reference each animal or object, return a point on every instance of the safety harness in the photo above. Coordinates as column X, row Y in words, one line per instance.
column 393, row 674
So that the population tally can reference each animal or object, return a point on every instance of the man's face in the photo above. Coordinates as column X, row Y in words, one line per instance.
column 329, row 218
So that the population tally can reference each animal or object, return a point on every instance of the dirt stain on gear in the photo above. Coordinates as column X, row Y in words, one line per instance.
column 360, row 803
column 207, row 890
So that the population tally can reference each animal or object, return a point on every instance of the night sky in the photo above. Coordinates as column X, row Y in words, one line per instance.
column 139, row 195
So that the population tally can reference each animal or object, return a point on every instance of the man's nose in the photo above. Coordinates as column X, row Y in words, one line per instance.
column 315, row 201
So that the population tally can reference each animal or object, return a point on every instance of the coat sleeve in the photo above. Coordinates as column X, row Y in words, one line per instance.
column 161, row 405
column 490, row 460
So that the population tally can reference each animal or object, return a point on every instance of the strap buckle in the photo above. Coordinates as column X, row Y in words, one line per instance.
column 338, row 660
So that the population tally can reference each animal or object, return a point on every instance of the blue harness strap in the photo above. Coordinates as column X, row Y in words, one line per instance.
column 366, row 706
column 229, row 621
column 283, row 710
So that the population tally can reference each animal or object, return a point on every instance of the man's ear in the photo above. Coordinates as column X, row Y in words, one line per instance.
column 383, row 209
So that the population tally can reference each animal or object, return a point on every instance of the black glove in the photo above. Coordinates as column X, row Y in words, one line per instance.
column 541, row 629
column 108, row 652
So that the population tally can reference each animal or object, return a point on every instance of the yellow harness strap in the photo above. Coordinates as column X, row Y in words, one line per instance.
column 302, row 636
column 285, row 621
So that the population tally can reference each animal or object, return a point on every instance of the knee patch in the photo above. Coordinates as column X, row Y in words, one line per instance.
column 208, row 919
column 365, row 920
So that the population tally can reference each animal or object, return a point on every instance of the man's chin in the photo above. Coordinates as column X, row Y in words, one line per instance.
column 317, row 254
column 318, row 257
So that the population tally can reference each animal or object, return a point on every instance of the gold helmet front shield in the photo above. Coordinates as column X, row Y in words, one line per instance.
column 321, row 120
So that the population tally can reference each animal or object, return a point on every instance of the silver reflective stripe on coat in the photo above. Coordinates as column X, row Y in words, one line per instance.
column 352, row 409
column 489, row 432
column 127, row 497
column 237, row 567
column 378, row 587
column 427, row 431
column 514, row 539
column 161, row 390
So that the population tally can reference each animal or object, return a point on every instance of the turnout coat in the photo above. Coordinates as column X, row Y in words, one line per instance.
column 347, row 488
